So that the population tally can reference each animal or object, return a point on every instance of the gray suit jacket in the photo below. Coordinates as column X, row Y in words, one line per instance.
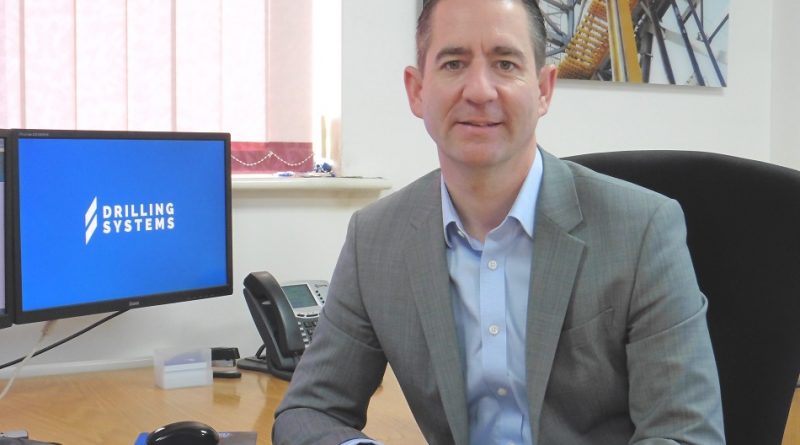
column 617, row 347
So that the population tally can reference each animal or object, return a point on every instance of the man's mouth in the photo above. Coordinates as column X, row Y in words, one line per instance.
column 480, row 124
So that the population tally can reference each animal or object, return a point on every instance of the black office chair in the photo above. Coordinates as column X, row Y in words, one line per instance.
column 743, row 222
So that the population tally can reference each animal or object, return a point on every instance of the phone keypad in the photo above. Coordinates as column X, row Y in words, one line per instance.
column 307, row 328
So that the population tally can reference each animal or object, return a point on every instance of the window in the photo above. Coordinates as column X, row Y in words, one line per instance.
column 268, row 72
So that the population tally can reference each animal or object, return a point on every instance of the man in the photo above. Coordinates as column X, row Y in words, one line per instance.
column 518, row 298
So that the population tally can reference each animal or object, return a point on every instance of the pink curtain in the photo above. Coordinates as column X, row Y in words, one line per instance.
column 239, row 66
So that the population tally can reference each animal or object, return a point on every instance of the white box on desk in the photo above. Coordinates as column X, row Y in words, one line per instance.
column 182, row 367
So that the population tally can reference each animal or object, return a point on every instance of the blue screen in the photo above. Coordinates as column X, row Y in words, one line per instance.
column 106, row 219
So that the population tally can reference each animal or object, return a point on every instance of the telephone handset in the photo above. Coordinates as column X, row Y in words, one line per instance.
column 285, row 316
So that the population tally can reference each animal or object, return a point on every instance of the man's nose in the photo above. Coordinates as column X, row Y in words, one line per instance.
column 479, row 86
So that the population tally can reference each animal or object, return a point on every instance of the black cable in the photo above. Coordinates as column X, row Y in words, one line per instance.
column 260, row 353
column 64, row 340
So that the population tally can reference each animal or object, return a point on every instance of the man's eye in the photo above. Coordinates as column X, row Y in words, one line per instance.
column 505, row 65
column 453, row 65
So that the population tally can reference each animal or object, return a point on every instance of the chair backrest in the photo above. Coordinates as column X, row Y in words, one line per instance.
column 743, row 222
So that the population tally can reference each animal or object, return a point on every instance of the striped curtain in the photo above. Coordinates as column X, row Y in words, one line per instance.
column 239, row 66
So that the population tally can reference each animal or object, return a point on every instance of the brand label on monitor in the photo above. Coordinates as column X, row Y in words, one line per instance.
column 129, row 218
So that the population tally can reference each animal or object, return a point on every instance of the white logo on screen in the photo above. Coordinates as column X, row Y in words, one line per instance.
column 90, row 220
column 128, row 218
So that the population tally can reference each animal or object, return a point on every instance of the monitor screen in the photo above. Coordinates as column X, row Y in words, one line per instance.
column 5, row 317
column 106, row 221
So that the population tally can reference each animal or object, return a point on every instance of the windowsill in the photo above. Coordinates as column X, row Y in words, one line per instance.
column 270, row 182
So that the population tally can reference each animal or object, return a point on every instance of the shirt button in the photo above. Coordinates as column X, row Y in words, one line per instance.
column 494, row 330
column 502, row 392
column 492, row 265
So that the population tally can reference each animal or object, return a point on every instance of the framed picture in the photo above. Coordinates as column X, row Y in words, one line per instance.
column 679, row 42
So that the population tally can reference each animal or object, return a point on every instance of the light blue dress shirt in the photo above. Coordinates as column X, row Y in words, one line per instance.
column 490, row 283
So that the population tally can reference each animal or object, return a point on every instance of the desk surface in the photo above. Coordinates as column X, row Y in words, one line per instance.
column 113, row 407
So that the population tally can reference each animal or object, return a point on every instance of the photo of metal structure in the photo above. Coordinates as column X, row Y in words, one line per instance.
column 678, row 42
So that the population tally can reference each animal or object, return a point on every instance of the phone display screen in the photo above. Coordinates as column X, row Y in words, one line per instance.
column 299, row 296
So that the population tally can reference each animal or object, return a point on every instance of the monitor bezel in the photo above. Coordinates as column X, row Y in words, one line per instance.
column 7, row 315
column 12, row 186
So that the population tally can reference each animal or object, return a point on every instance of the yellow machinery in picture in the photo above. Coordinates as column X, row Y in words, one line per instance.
column 606, row 30
column 678, row 42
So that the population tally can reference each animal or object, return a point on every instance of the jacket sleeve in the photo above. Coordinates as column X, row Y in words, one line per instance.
column 329, row 393
column 674, row 393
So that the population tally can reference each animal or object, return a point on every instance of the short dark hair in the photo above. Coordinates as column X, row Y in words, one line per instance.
column 536, row 27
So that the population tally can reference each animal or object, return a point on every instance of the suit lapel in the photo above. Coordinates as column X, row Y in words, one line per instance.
column 557, row 256
column 556, row 259
column 430, row 284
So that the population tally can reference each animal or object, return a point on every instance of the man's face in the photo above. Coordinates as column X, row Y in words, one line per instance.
column 480, row 95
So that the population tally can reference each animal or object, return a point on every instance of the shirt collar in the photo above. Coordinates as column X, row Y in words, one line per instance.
column 449, row 216
column 523, row 209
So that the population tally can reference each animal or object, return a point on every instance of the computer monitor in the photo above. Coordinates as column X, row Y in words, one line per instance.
column 5, row 313
column 107, row 221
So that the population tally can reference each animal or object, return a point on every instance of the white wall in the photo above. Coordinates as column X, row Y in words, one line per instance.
column 380, row 135
column 785, row 85
column 590, row 117
column 585, row 116
column 296, row 235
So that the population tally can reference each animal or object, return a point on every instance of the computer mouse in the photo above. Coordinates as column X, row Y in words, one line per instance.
column 184, row 433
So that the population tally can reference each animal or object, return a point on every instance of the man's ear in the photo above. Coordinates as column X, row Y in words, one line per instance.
column 413, row 80
column 547, row 84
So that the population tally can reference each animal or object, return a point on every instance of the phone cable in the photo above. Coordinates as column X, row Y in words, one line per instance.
column 45, row 330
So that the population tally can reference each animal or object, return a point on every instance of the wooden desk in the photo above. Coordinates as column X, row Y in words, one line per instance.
column 112, row 408
column 791, row 435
